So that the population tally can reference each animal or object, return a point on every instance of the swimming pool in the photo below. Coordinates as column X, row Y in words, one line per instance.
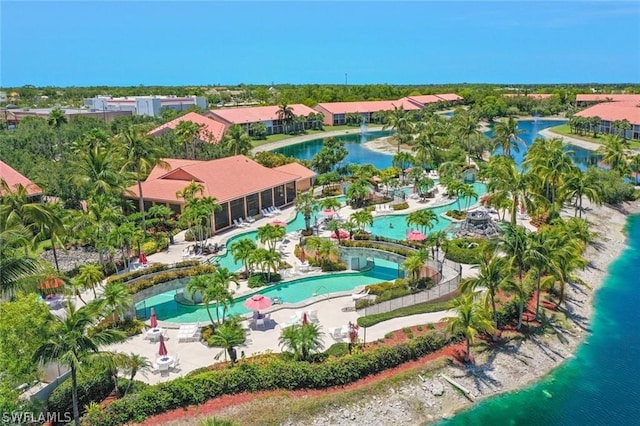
column 167, row 309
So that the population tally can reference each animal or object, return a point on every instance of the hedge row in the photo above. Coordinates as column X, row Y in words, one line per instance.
column 123, row 278
column 145, row 283
column 94, row 385
column 372, row 245
column 466, row 250
column 279, row 374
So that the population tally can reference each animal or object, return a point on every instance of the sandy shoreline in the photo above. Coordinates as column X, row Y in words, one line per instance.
column 495, row 372
column 305, row 138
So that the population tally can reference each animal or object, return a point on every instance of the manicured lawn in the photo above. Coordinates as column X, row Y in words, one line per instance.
column 280, row 137
column 565, row 130
column 422, row 308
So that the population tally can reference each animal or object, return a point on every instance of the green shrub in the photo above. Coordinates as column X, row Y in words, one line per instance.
column 130, row 327
column 401, row 206
column 274, row 374
column 328, row 265
column 94, row 385
column 466, row 250
column 338, row 350
column 145, row 283
column 157, row 267
column 456, row 214
column 261, row 279
column 189, row 236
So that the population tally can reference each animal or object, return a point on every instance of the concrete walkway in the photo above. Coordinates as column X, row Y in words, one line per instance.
column 305, row 138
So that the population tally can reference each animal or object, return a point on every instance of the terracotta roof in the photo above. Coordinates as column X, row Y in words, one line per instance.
column 449, row 97
column 15, row 178
column 212, row 131
column 422, row 100
column 173, row 163
column 612, row 111
column 225, row 179
column 255, row 114
column 367, row 106
column 296, row 169
column 606, row 97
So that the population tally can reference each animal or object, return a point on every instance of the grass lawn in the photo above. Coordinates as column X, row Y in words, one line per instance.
column 565, row 130
column 280, row 137
column 422, row 308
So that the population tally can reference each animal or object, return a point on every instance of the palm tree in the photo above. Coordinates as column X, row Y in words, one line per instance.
column 16, row 208
column 89, row 276
column 269, row 234
column 514, row 243
column 402, row 160
column 494, row 272
column 188, row 132
column 613, row 154
column 507, row 136
column 71, row 344
column 362, row 218
column 57, row 119
column 305, row 204
column 357, row 192
column 425, row 219
column 302, row 340
column 241, row 251
column 227, row 336
column 15, row 266
column 116, row 299
column 52, row 227
column 95, row 170
column 538, row 256
column 398, row 120
column 331, row 203
column 413, row 264
column 141, row 155
column 465, row 125
column 286, row 115
column 236, row 141
column 579, row 184
column 214, row 287
column 135, row 364
column 470, row 320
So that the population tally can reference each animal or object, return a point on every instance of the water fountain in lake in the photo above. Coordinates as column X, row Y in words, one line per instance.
column 477, row 224
column 363, row 130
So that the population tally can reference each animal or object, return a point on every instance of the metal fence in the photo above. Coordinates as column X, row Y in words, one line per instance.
column 447, row 286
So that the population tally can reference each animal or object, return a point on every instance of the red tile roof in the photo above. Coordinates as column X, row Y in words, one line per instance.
column 422, row 100
column 367, row 106
column 612, row 111
column 225, row 179
column 212, row 131
column 14, row 178
column 449, row 97
column 255, row 114
column 604, row 97
column 296, row 169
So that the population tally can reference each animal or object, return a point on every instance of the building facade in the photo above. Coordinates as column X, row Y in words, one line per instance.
column 145, row 105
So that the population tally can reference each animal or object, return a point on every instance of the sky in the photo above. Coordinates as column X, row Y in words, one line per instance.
column 82, row 43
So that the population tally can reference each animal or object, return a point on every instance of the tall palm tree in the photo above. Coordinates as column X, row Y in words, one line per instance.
column 424, row 218
column 141, row 155
column 514, row 243
column 357, row 192
column 494, row 272
column 613, row 154
column 188, row 133
column 135, row 364
column 241, row 251
column 362, row 218
column 89, row 276
column 507, row 136
column 57, row 119
column 236, row 141
column 471, row 319
column 15, row 266
column 413, row 264
column 95, row 170
column 302, row 340
column 398, row 120
column 538, row 256
column 269, row 234
column 286, row 115
column 116, row 300
column 71, row 344
column 16, row 208
column 227, row 336
column 403, row 160
column 306, row 204
column 578, row 185
column 465, row 126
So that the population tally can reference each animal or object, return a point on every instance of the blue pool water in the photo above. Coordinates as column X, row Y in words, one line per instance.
column 167, row 309
column 599, row 386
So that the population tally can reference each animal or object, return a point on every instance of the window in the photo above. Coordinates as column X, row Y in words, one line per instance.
column 290, row 191
column 237, row 209
column 278, row 198
column 221, row 218
column 266, row 198
column 253, row 208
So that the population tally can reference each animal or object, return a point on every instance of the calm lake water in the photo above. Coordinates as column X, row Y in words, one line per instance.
column 600, row 386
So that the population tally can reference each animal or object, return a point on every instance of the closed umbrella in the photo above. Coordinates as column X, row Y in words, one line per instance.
column 257, row 302
column 162, row 351
column 304, row 318
column 153, row 321
column 143, row 258
column 303, row 255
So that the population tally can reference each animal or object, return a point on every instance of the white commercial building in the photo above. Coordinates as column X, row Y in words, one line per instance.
column 145, row 105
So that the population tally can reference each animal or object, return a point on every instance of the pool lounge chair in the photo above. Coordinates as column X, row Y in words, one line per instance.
column 361, row 295
column 266, row 213
column 249, row 219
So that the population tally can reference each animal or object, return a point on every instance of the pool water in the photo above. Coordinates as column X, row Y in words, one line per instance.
column 167, row 309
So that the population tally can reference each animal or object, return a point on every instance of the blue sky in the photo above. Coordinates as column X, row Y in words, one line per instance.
column 87, row 42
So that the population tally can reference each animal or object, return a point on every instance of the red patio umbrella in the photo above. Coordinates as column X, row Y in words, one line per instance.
column 342, row 233
column 143, row 258
column 278, row 223
column 415, row 235
column 303, row 255
column 328, row 213
column 51, row 283
column 257, row 302
column 153, row 321
column 162, row 351
column 304, row 318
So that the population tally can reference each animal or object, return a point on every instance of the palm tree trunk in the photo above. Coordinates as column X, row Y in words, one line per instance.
column 538, row 293
column 133, row 374
column 209, row 313
column 74, row 395
column 141, row 206
column 55, row 254
column 467, row 355
column 520, row 311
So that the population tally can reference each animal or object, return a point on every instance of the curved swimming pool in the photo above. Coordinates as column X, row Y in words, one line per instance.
column 294, row 291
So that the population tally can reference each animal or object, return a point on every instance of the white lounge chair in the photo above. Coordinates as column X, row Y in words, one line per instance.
column 336, row 333
column 249, row 219
column 358, row 296
column 266, row 213
column 313, row 316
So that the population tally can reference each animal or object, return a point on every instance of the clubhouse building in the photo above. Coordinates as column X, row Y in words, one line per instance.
column 610, row 112
column 242, row 187
column 268, row 115
column 210, row 131
column 13, row 179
